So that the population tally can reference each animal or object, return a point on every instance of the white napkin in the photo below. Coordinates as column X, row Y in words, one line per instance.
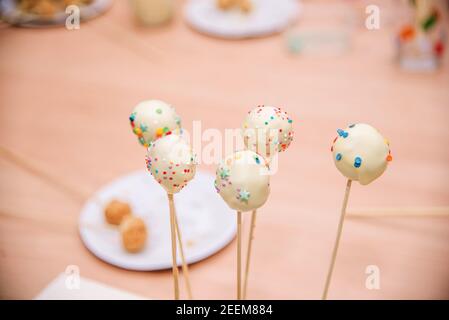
column 72, row 287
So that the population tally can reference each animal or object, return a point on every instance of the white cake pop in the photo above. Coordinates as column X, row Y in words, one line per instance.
column 153, row 119
column 361, row 153
column 243, row 181
column 274, row 127
column 172, row 162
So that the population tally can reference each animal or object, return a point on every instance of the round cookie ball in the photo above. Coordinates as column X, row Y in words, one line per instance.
column 134, row 234
column 267, row 130
column 116, row 211
column 361, row 153
column 243, row 180
column 153, row 119
column 171, row 161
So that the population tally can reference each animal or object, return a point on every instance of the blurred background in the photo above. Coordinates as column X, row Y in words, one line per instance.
column 67, row 89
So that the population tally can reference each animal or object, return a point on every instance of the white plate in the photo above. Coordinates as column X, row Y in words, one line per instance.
column 14, row 16
column 207, row 224
column 267, row 17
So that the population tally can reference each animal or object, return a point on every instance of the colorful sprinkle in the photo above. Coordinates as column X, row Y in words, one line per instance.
column 158, row 110
column 430, row 22
column 132, row 117
column 357, row 162
column 338, row 156
column 244, row 196
column 159, row 132
column 389, row 158
column 224, row 173
column 137, row 131
column 143, row 127
column 407, row 33
column 439, row 48
column 342, row 133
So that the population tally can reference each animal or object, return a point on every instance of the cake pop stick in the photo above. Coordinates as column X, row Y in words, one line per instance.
column 337, row 239
column 360, row 154
column 173, row 245
column 387, row 212
column 185, row 269
column 248, row 252
column 251, row 235
column 265, row 128
column 239, row 255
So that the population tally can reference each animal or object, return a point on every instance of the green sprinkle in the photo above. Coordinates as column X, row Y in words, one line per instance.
column 430, row 22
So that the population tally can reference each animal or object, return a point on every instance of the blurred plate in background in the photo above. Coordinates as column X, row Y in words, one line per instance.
column 12, row 14
column 266, row 17
column 207, row 224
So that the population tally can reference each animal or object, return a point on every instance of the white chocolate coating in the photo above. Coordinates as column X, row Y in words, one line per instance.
column 172, row 162
column 274, row 127
column 153, row 119
column 361, row 153
column 243, row 181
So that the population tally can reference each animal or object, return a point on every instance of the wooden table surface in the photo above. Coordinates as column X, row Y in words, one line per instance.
column 65, row 97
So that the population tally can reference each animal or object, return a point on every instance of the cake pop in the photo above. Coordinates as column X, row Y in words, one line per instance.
column 267, row 130
column 153, row 119
column 243, row 181
column 361, row 154
column 171, row 162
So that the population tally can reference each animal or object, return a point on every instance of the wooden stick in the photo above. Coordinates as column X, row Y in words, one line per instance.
column 421, row 212
column 51, row 179
column 173, row 245
column 185, row 267
column 248, row 253
column 239, row 255
column 337, row 240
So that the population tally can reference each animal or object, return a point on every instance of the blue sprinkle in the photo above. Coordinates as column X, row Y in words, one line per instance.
column 351, row 125
column 357, row 162
column 290, row 120
column 338, row 157
column 342, row 133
